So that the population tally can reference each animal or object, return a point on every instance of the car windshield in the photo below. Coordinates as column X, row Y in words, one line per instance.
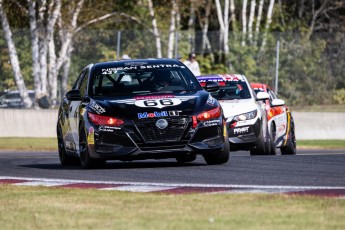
column 116, row 81
column 230, row 90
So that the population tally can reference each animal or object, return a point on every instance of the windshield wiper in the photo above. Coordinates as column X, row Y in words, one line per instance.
column 141, row 92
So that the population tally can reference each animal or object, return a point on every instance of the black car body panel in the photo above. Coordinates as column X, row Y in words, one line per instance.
column 125, row 117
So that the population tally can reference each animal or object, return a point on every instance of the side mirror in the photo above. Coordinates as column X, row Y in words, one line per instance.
column 277, row 102
column 73, row 95
column 211, row 86
column 261, row 96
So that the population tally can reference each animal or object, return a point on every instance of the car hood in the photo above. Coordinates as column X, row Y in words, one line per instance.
column 235, row 107
column 155, row 105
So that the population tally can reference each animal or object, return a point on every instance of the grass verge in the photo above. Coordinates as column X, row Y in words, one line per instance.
column 60, row 208
column 321, row 144
column 50, row 144
column 28, row 144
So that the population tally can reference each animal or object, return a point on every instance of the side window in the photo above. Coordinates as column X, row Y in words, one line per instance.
column 83, row 85
column 78, row 81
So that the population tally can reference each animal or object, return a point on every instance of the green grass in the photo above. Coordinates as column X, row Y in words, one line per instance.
column 321, row 144
column 50, row 144
column 28, row 144
column 24, row 207
column 62, row 208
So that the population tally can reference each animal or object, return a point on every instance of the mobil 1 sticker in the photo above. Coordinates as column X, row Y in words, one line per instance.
column 158, row 103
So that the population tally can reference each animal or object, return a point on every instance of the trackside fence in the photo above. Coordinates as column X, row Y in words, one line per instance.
column 42, row 123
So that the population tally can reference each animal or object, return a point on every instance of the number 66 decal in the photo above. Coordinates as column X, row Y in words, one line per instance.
column 158, row 103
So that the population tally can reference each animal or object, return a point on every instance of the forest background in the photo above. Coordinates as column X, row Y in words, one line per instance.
column 44, row 44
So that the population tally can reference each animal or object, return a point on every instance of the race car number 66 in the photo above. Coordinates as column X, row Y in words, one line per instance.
column 158, row 103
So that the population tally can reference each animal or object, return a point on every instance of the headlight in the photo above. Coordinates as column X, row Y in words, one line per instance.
column 246, row 116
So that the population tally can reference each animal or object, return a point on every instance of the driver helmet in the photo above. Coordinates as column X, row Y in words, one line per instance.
column 162, row 78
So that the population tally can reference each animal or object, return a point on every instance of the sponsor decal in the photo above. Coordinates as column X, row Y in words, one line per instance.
column 154, row 97
column 138, row 67
column 108, row 129
column 158, row 103
column 281, row 128
column 210, row 78
column 97, row 108
column 152, row 115
column 210, row 100
column 174, row 113
column 232, row 77
column 241, row 130
column 243, row 122
column 220, row 77
column 212, row 123
column 115, row 70
column 91, row 136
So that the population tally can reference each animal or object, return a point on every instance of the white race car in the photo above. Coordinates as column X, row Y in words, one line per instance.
column 245, row 113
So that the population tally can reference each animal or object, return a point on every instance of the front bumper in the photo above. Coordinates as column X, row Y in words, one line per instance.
column 244, row 136
column 142, row 140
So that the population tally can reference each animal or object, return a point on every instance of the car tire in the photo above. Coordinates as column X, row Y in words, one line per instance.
column 86, row 161
column 65, row 160
column 273, row 148
column 262, row 146
column 259, row 148
column 186, row 158
column 220, row 157
column 290, row 147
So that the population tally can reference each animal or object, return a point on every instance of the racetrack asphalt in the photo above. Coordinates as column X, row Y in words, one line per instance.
column 310, row 172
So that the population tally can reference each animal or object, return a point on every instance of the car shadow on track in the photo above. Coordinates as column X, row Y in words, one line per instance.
column 118, row 165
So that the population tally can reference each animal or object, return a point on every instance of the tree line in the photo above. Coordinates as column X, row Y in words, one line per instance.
column 229, row 36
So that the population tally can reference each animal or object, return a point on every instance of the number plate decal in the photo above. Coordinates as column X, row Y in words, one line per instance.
column 158, row 103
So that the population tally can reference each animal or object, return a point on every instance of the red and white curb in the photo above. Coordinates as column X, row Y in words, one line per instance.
column 168, row 188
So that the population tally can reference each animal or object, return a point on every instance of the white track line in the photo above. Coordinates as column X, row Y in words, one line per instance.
column 139, row 188
column 275, row 187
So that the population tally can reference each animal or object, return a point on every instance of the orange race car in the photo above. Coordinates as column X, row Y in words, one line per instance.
column 280, row 121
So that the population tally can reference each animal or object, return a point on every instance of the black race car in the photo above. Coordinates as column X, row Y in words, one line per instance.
column 140, row 109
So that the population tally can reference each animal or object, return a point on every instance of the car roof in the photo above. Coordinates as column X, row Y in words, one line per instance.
column 130, row 62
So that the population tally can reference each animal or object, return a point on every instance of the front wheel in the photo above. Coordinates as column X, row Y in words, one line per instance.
column 263, row 145
column 273, row 141
column 290, row 147
column 86, row 160
column 220, row 157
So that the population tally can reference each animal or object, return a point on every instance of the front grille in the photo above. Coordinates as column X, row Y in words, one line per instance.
column 173, row 133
